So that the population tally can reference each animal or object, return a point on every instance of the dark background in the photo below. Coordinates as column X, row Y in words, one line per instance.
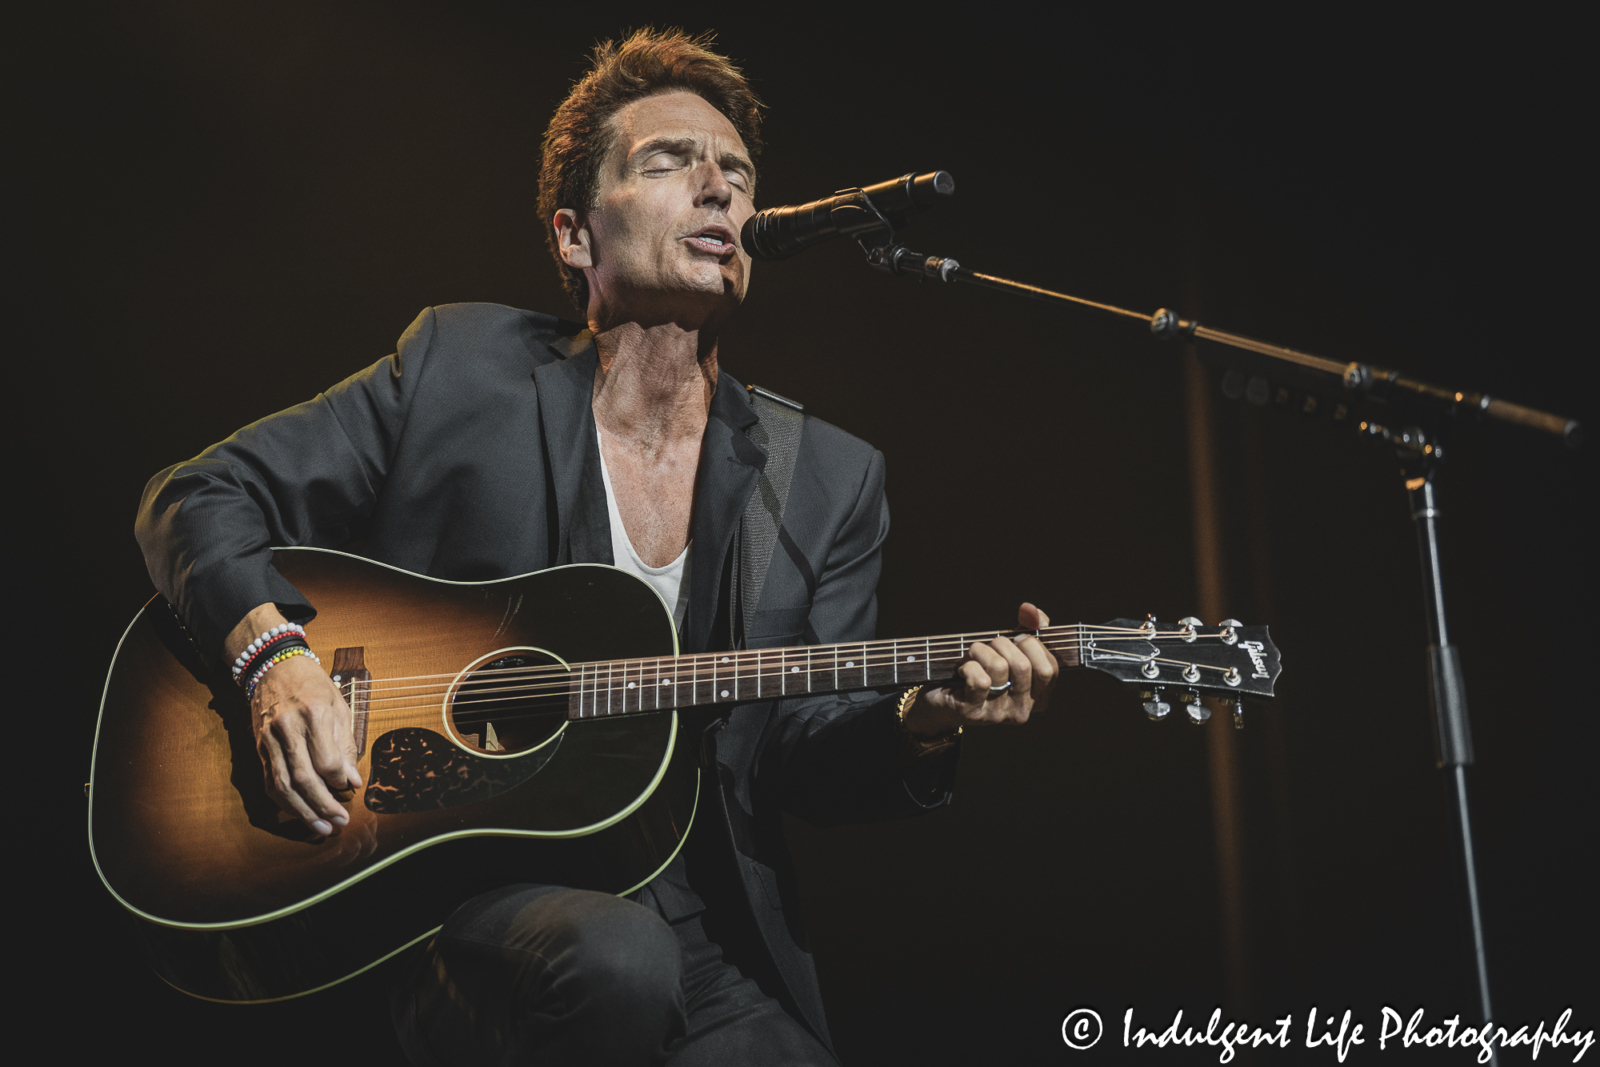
column 225, row 208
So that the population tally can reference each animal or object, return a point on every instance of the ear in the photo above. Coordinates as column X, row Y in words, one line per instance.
column 572, row 239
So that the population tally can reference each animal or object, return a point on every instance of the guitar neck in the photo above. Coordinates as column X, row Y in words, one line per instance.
column 625, row 686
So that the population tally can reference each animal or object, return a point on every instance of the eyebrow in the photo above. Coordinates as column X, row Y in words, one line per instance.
column 685, row 145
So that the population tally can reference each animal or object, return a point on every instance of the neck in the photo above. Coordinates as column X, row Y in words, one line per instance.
column 654, row 384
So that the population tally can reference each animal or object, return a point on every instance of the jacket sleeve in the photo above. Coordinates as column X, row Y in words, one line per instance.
column 306, row 476
column 840, row 759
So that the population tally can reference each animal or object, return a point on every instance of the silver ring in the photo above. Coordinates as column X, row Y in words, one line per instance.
column 996, row 690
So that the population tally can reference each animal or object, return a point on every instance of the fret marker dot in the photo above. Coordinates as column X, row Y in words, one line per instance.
column 911, row 659
column 849, row 663
column 666, row 681
column 724, row 659
column 632, row 684
column 794, row 670
column 724, row 692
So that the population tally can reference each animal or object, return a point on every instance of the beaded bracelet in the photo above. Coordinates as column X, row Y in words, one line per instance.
column 261, row 672
column 271, row 649
column 298, row 648
column 287, row 639
column 266, row 638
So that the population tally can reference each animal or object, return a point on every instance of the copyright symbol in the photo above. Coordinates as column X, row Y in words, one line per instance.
column 1081, row 1029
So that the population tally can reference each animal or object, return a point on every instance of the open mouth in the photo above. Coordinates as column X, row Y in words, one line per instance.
column 717, row 240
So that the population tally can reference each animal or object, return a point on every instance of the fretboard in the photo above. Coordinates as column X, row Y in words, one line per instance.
column 623, row 686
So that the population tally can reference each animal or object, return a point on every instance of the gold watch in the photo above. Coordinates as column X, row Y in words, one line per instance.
column 922, row 746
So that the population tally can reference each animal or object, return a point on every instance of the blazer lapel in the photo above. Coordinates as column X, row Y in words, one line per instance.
column 730, row 464
column 566, row 414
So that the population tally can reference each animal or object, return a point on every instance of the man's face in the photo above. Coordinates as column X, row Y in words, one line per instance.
column 662, row 243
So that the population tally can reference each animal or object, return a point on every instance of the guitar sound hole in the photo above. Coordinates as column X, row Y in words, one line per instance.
column 502, row 708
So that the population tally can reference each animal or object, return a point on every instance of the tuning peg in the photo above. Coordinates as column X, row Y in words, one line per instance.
column 1154, row 706
column 1149, row 627
column 1230, row 631
column 1198, row 712
column 1190, row 629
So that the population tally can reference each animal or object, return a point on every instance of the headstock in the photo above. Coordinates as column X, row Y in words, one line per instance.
column 1229, row 660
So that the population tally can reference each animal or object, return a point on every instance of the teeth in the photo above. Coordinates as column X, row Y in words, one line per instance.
column 713, row 238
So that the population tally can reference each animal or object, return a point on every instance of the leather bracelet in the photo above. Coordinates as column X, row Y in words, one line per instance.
column 917, row 747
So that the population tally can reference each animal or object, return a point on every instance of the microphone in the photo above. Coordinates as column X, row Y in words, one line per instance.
column 780, row 232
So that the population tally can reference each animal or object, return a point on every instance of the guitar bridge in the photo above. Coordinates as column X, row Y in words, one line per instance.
column 350, row 674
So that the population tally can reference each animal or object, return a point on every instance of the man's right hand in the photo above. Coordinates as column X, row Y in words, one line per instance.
column 303, row 731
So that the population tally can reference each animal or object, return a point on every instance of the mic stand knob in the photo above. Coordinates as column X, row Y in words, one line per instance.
column 898, row 259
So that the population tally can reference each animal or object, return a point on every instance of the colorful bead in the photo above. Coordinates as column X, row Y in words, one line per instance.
column 273, row 661
column 241, row 665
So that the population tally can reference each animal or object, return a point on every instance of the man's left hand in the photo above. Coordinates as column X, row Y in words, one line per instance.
column 1004, row 681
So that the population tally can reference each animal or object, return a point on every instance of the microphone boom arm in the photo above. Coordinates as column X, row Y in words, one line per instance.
column 1360, row 379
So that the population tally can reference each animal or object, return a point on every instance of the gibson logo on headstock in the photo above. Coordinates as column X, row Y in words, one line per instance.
column 1256, row 650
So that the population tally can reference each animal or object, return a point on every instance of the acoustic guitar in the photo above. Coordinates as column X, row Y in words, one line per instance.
column 520, row 730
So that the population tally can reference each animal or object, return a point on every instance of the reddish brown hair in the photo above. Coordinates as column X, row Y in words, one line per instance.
column 580, row 134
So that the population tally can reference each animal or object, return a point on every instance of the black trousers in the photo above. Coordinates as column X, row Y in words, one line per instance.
column 538, row 974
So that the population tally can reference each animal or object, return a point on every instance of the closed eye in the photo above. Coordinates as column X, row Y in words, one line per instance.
column 663, row 162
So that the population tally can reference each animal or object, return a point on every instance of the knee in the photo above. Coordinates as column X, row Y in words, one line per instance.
column 615, row 951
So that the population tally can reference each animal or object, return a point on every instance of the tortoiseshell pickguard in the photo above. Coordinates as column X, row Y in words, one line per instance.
column 419, row 770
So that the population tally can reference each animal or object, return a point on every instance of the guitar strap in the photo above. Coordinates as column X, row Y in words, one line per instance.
column 777, row 428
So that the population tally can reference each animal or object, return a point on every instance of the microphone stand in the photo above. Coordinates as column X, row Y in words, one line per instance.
column 1418, row 450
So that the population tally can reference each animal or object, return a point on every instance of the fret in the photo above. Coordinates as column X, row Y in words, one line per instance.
column 795, row 671
column 881, row 667
column 719, row 691
column 668, row 686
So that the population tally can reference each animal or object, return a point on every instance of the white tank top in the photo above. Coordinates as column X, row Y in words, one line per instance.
column 670, row 581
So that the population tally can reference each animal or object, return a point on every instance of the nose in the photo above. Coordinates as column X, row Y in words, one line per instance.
column 713, row 187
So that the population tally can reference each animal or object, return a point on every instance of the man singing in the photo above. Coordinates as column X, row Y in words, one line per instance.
column 496, row 442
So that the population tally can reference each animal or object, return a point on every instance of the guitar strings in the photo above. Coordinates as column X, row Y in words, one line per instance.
column 1053, row 637
column 560, row 677
column 618, row 681
column 641, row 688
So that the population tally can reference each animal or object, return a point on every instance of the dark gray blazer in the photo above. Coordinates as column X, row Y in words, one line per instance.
column 470, row 454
